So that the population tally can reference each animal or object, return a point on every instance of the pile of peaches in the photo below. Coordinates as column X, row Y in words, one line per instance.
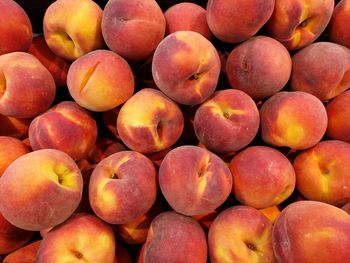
column 175, row 132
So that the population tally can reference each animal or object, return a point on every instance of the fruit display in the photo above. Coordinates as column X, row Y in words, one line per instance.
column 171, row 131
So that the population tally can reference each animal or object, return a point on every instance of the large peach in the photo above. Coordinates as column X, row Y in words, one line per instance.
column 26, row 254
column 338, row 112
column 337, row 28
column 123, row 187
column 323, row 172
column 187, row 16
column 40, row 189
column 82, row 238
column 241, row 234
column 193, row 180
column 313, row 232
column 298, row 23
column 227, row 122
column 26, row 86
column 262, row 177
column 295, row 119
column 149, row 121
column 133, row 28
column 260, row 66
column 175, row 238
column 71, row 34
column 15, row 28
column 234, row 21
column 186, row 67
column 66, row 127
column 322, row 69
column 100, row 81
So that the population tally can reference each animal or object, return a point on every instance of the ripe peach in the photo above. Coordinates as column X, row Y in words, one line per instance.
column 186, row 67
column 66, row 127
column 100, row 80
column 26, row 254
column 295, row 119
column 14, row 127
column 271, row 212
column 193, row 180
column 227, row 121
column 322, row 69
column 149, row 121
column 346, row 208
column 133, row 28
column 26, row 86
column 337, row 27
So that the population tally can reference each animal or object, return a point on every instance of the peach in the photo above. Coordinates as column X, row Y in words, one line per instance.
column 262, row 177
column 298, row 23
column 122, row 255
column 323, row 172
column 82, row 238
column 260, row 66
column 231, row 20
column 187, row 16
column 338, row 113
column 193, row 180
column 133, row 28
column 15, row 28
column 226, row 122
column 100, row 81
column 337, row 28
column 346, row 208
column 103, row 148
column 271, row 212
column 26, row 86
column 57, row 66
column 123, row 187
column 26, row 254
column 11, row 237
column 240, row 234
column 73, row 34
column 295, row 119
column 40, row 189
column 207, row 219
column 186, row 67
column 10, row 150
column 322, row 69
column 14, row 127
column 149, row 121
column 313, row 232
column 175, row 238
column 66, row 127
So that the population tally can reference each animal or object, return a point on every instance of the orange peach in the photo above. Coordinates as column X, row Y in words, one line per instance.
column 337, row 28
column 227, row 122
column 271, row 212
column 133, row 28
column 240, row 234
column 323, row 172
column 298, row 23
column 40, row 189
column 66, row 127
column 123, row 187
column 82, row 238
column 322, row 69
column 10, row 150
column 295, row 119
column 338, row 113
column 57, row 66
column 100, row 80
column 234, row 21
column 26, row 86
column 193, row 180
column 262, row 177
column 15, row 28
column 175, row 238
column 260, row 66
column 186, row 67
column 187, row 16
column 149, row 121
column 11, row 237
column 14, row 127
column 26, row 254
column 313, row 232
column 71, row 34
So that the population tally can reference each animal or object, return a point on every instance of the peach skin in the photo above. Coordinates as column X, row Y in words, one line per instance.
column 26, row 254
column 338, row 26
column 14, row 127
column 149, row 121
column 298, row 23
column 313, row 232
